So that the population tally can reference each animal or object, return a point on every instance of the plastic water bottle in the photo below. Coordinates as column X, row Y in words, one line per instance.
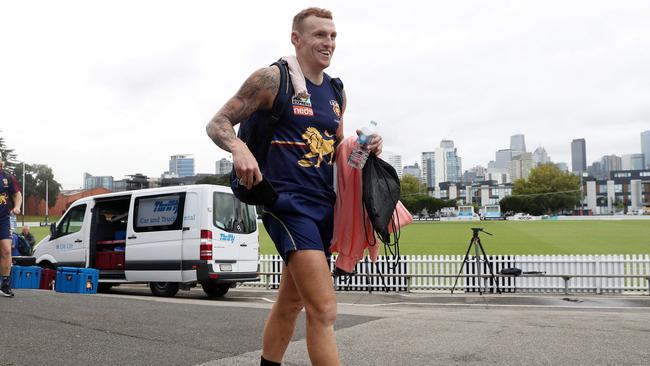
column 359, row 154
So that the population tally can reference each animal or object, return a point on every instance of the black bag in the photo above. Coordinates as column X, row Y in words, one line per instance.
column 381, row 191
column 257, row 132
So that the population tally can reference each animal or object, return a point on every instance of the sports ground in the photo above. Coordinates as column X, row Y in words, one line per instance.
column 519, row 237
column 511, row 237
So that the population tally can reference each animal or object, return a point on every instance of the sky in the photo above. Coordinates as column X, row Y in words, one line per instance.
column 116, row 88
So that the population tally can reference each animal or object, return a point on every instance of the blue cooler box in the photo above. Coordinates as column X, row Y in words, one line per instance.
column 25, row 277
column 77, row 280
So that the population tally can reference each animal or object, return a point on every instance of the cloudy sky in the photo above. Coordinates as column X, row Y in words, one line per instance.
column 115, row 88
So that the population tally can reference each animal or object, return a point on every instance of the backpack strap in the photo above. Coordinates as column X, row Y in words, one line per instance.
column 337, row 85
column 285, row 91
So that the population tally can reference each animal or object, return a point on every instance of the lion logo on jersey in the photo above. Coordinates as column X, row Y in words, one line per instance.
column 319, row 148
column 3, row 199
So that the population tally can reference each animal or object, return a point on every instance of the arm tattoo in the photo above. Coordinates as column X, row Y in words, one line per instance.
column 257, row 92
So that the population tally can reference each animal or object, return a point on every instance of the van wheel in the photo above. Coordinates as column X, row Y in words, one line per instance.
column 214, row 290
column 164, row 289
column 104, row 287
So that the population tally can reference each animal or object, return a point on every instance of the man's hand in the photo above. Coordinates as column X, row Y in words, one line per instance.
column 376, row 143
column 16, row 211
column 246, row 167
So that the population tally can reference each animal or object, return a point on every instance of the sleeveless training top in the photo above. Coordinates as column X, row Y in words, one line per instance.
column 8, row 187
column 301, row 156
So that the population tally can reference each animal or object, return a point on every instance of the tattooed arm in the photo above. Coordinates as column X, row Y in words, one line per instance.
column 257, row 92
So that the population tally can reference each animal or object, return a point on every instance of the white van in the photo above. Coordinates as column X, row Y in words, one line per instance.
column 168, row 237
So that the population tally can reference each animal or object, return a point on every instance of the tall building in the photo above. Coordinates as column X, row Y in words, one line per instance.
column 562, row 166
column 447, row 163
column 540, row 156
column 578, row 156
column 429, row 169
column 610, row 163
column 517, row 144
column 181, row 165
column 412, row 170
column 521, row 165
column 394, row 160
column 596, row 170
column 499, row 175
column 645, row 147
column 632, row 162
column 503, row 158
column 223, row 166
column 91, row 181
column 475, row 174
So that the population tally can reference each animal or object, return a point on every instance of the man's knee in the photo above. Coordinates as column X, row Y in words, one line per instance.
column 5, row 249
column 323, row 312
column 289, row 310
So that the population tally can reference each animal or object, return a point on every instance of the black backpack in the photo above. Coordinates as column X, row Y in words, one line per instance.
column 257, row 132
column 381, row 191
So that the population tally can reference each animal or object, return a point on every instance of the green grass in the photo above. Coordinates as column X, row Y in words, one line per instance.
column 510, row 237
column 50, row 218
column 514, row 237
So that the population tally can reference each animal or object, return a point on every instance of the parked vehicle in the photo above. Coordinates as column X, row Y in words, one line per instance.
column 168, row 237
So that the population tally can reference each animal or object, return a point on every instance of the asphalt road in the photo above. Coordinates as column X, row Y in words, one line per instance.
column 130, row 327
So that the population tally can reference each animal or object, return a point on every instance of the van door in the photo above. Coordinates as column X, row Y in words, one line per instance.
column 154, row 238
column 236, row 239
column 248, row 238
column 191, row 236
column 70, row 242
column 225, row 246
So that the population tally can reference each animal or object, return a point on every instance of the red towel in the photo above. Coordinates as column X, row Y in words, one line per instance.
column 350, row 239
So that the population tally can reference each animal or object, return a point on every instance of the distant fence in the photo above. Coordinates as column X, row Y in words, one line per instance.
column 602, row 273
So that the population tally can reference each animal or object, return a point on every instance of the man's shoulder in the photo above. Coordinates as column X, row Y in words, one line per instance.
column 266, row 78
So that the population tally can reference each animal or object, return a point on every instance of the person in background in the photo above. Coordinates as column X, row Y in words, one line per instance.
column 10, row 201
column 29, row 238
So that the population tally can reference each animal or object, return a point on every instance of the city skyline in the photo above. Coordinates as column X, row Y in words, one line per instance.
column 118, row 100
column 516, row 164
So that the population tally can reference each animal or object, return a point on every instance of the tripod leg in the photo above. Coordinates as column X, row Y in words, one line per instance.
column 489, row 265
column 463, row 264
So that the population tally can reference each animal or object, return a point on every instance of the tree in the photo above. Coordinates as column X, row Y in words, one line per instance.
column 36, row 176
column 547, row 190
column 410, row 186
column 220, row 180
column 7, row 155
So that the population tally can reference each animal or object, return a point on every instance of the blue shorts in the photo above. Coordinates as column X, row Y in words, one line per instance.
column 5, row 228
column 296, row 223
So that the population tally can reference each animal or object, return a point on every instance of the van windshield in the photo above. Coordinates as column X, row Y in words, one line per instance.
column 232, row 215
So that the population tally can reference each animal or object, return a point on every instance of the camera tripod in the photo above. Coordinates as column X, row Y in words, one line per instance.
column 476, row 242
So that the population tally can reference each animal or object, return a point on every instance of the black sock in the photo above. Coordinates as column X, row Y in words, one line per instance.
column 265, row 362
column 5, row 280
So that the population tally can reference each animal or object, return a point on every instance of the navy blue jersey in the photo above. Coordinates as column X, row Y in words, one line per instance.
column 8, row 187
column 301, row 156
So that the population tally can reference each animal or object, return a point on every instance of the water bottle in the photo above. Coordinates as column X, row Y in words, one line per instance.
column 359, row 154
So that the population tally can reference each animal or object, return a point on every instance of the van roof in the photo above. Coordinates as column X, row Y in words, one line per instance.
column 171, row 189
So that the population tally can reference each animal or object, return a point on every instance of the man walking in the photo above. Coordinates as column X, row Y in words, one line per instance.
column 10, row 201
column 300, row 221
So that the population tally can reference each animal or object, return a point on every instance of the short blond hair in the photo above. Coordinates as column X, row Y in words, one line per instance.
column 304, row 14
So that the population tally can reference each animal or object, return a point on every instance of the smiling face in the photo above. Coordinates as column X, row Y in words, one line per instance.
column 315, row 41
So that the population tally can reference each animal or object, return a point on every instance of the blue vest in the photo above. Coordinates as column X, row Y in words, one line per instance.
column 301, row 156
column 8, row 187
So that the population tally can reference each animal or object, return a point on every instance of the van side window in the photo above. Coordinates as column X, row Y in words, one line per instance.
column 72, row 221
column 159, row 213
column 231, row 215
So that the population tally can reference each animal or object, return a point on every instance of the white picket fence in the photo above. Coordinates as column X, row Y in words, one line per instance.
column 437, row 273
